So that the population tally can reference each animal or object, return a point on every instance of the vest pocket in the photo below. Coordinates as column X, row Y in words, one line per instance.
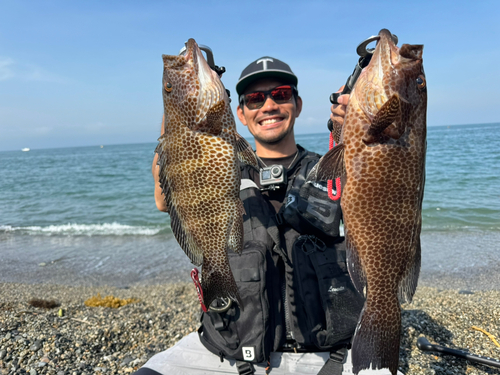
column 331, row 304
column 241, row 333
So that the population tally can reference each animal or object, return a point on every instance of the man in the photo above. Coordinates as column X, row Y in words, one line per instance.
column 301, row 308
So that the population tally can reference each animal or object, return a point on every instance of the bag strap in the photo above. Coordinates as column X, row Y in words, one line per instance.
column 335, row 363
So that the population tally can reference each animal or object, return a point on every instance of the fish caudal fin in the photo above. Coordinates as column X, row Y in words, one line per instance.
column 377, row 338
column 330, row 166
column 217, row 281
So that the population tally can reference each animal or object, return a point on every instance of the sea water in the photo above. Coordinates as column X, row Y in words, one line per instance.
column 87, row 215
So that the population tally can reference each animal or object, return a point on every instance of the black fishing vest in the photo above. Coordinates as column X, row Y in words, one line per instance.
column 291, row 275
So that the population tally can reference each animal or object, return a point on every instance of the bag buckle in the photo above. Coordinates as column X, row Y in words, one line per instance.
column 245, row 368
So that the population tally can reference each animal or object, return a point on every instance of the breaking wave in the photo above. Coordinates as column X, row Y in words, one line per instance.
column 73, row 229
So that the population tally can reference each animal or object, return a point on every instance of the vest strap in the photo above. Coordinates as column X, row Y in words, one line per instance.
column 335, row 363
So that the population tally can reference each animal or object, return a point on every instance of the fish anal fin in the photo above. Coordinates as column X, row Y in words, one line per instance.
column 245, row 153
column 355, row 267
column 184, row 238
column 235, row 242
column 408, row 284
column 387, row 115
column 330, row 166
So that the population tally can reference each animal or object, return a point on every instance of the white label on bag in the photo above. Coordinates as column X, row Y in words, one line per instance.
column 248, row 353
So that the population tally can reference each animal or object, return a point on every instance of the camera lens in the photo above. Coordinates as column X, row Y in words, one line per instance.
column 276, row 171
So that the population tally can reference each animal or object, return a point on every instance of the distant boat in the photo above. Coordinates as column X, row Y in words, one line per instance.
column 102, row 146
column 26, row 149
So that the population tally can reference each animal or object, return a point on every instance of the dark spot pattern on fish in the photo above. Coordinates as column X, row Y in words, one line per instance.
column 199, row 169
column 382, row 192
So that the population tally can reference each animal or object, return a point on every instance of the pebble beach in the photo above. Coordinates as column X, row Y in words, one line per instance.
column 75, row 339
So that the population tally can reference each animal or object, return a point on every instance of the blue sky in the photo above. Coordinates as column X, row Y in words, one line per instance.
column 76, row 73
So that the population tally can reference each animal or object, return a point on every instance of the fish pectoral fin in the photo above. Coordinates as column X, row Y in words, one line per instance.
column 330, row 166
column 386, row 116
column 212, row 122
column 245, row 153
column 336, row 132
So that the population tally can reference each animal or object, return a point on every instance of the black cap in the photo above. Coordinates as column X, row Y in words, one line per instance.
column 265, row 67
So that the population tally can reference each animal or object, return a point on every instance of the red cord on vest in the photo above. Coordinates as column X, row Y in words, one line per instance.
column 335, row 197
column 197, row 284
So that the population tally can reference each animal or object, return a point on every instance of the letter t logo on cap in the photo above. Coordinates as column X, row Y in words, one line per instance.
column 264, row 62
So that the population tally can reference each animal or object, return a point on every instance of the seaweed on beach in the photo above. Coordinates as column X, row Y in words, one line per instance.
column 43, row 304
column 108, row 301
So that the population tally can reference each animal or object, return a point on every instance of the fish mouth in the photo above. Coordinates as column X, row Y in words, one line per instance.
column 210, row 88
column 370, row 90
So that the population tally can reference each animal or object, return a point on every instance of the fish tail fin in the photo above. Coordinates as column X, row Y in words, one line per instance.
column 218, row 282
column 376, row 341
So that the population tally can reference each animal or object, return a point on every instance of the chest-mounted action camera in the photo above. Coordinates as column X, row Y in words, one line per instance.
column 272, row 177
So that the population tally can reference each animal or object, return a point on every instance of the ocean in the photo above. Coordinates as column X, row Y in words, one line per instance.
column 86, row 215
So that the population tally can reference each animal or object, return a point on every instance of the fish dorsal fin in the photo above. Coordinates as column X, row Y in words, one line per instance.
column 245, row 153
column 386, row 115
column 330, row 166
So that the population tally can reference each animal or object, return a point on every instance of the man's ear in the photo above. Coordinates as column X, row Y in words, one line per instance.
column 241, row 115
column 298, row 106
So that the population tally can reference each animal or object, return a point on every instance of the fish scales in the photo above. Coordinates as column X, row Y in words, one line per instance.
column 381, row 159
column 199, row 173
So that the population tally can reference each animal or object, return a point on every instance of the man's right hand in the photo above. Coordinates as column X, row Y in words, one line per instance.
column 338, row 110
column 155, row 170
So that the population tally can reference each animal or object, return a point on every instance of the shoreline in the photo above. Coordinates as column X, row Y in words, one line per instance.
column 99, row 340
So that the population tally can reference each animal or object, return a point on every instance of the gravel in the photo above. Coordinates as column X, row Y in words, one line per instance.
column 74, row 339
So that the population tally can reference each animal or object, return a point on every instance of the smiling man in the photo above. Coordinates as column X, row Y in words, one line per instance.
column 300, row 307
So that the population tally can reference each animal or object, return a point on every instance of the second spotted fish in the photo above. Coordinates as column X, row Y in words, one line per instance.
column 199, row 173
column 380, row 158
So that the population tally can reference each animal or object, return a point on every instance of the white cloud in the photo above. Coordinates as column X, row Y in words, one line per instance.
column 10, row 69
column 6, row 68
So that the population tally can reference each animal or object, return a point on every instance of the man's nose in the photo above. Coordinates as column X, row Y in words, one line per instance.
column 269, row 105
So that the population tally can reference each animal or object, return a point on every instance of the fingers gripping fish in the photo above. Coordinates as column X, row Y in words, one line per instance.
column 381, row 159
column 199, row 173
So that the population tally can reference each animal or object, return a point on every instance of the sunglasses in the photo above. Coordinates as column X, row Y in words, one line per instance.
column 280, row 95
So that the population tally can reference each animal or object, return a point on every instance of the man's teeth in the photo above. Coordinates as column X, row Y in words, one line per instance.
column 270, row 121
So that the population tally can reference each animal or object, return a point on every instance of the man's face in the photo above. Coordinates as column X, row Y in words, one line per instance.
column 273, row 122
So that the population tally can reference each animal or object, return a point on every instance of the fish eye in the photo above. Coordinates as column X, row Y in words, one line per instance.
column 168, row 87
column 421, row 82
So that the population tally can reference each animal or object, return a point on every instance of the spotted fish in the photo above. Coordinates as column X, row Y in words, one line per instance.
column 199, row 173
column 380, row 158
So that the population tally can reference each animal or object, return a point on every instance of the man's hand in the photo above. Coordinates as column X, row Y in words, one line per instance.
column 155, row 170
column 338, row 110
